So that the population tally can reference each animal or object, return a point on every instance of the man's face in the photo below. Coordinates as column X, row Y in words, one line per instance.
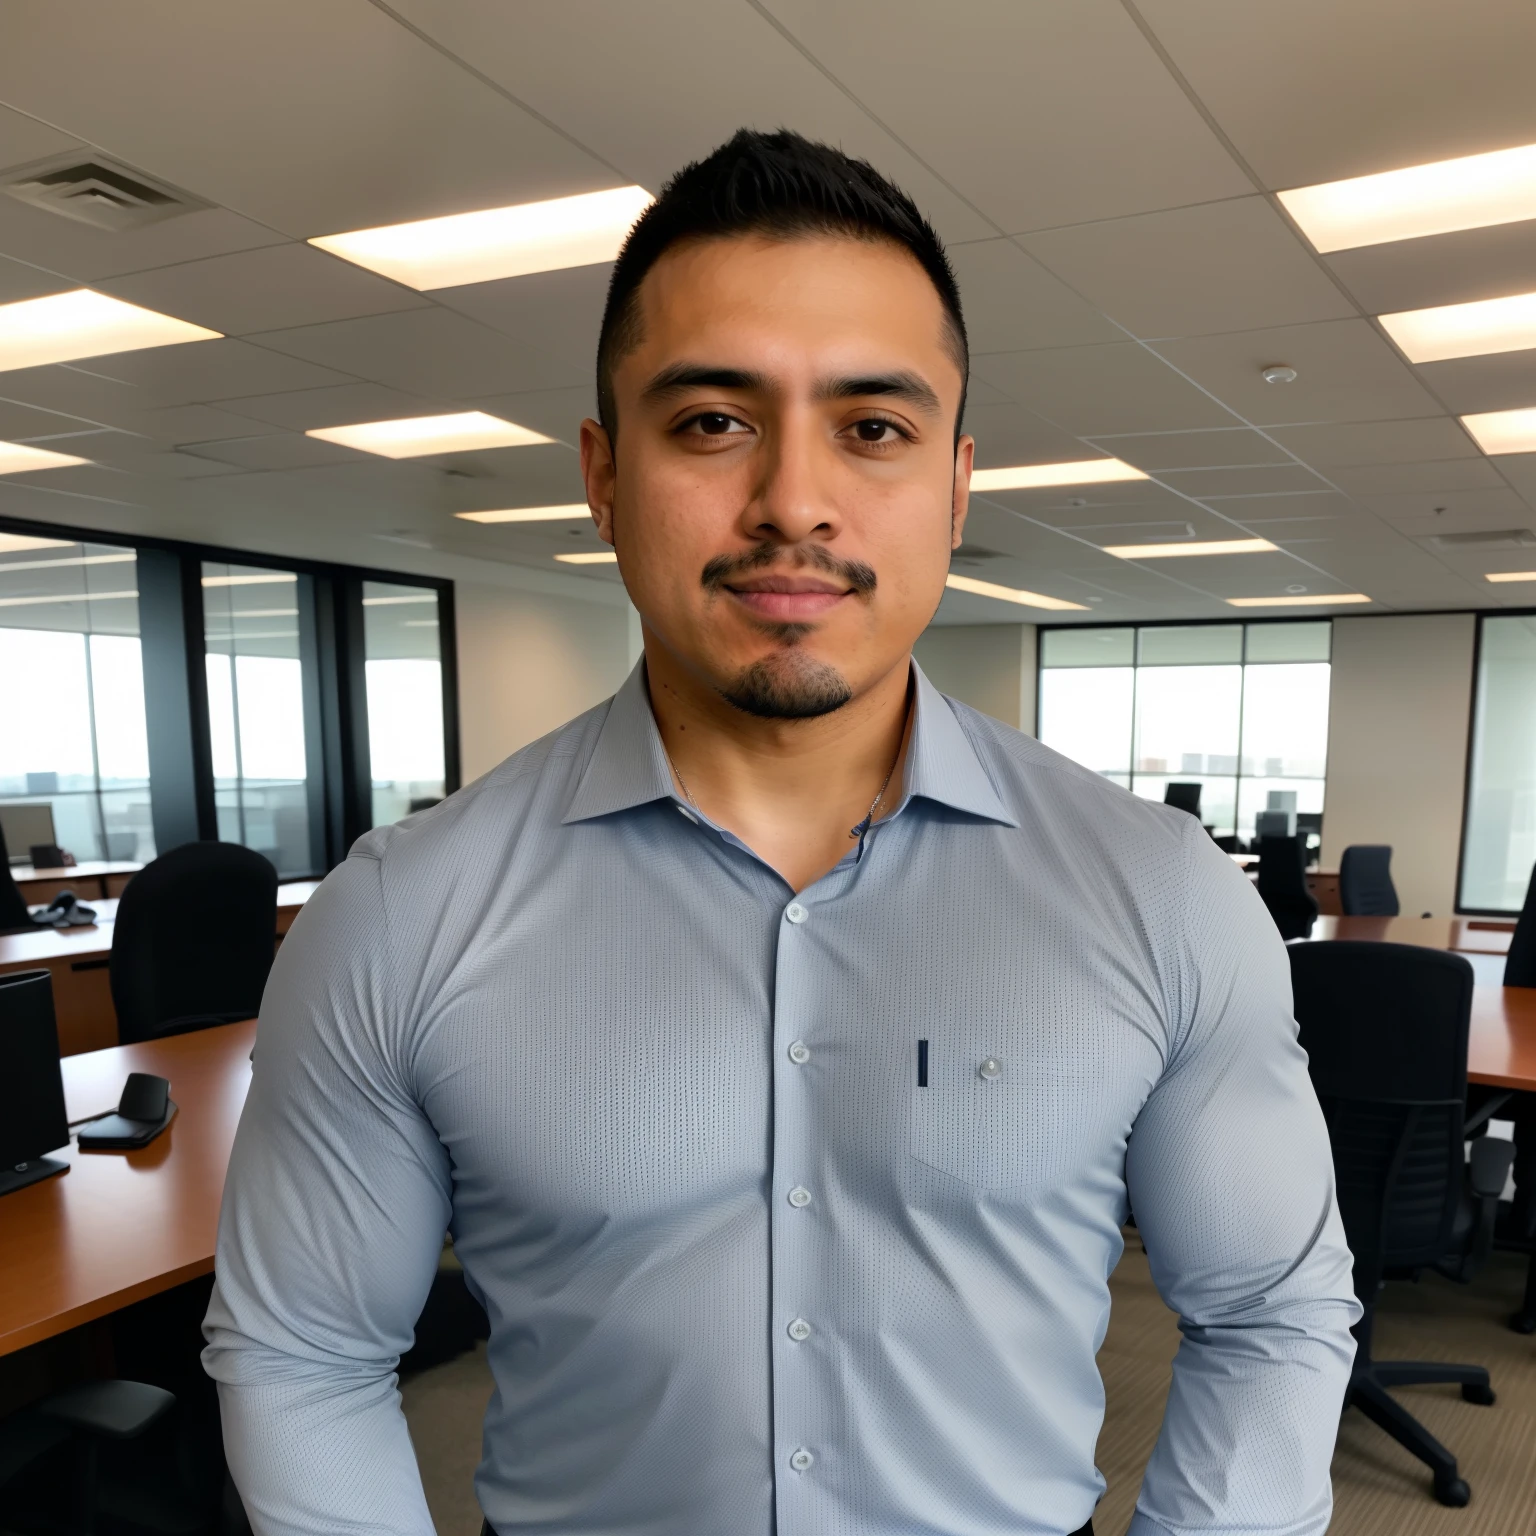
column 787, row 489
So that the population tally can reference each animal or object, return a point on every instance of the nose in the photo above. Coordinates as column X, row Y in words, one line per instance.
column 793, row 499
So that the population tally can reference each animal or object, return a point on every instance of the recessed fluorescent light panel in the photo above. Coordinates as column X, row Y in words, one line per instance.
column 1209, row 547
column 66, row 326
column 250, row 580
column 1313, row 600
column 21, row 459
column 1470, row 193
column 1511, row 576
column 570, row 513
column 1023, row 477
column 413, row 436
column 1503, row 431
column 1009, row 594
column 1465, row 330
column 11, row 543
column 591, row 557
column 496, row 242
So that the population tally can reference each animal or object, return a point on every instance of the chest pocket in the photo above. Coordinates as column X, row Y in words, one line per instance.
column 996, row 1118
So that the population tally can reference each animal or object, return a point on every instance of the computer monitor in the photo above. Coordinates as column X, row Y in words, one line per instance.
column 1274, row 824
column 33, row 1120
column 1281, row 800
column 25, row 826
column 1185, row 796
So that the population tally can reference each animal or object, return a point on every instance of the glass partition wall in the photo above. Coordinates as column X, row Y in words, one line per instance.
column 404, row 670
column 74, row 759
column 1241, row 709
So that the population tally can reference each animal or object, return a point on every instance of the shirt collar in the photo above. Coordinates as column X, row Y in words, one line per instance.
column 629, row 767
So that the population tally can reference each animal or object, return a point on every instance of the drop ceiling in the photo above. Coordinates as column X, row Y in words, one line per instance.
column 1104, row 172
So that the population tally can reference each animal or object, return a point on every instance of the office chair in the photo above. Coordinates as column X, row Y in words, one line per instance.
column 1186, row 797
column 1283, row 886
column 1385, row 1029
column 13, row 905
column 1365, row 881
column 193, row 941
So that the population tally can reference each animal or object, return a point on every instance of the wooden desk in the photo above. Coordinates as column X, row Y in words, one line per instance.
column 79, row 960
column 1502, row 1050
column 90, row 880
column 1464, row 935
column 122, row 1226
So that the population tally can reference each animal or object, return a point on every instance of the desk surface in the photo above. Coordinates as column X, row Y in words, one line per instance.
column 1465, row 935
column 120, row 1226
column 86, row 869
column 20, row 950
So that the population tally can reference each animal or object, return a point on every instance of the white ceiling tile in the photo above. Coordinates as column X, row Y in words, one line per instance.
column 264, row 290
column 1504, row 381
column 81, row 253
column 1243, row 480
column 335, row 406
column 203, row 371
column 664, row 90
column 1225, row 266
column 554, row 315
column 557, row 413
column 1008, row 434
column 1474, row 474
column 425, row 351
column 1252, row 511
column 20, row 281
column 20, row 422
column 310, row 115
column 1011, row 302
column 191, row 424
column 1499, row 507
column 1156, row 451
column 1313, row 90
column 1440, row 269
column 1345, row 372
column 1377, row 442
column 1050, row 113
column 279, row 450
column 23, row 139
column 1520, row 470
column 1094, row 391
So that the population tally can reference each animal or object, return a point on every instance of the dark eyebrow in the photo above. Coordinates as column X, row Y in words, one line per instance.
column 900, row 385
column 683, row 376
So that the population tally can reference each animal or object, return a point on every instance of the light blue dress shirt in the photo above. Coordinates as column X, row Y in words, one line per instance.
column 745, row 1274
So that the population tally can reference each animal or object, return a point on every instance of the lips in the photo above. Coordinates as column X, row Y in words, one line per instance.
column 788, row 598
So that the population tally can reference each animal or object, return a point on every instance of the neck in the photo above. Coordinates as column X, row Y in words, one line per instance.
column 790, row 789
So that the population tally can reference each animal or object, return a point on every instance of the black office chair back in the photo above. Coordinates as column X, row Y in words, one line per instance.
column 1385, row 1030
column 1520, row 967
column 13, row 905
column 1283, row 886
column 193, row 941
column 1186, row 797
column 1365, row 881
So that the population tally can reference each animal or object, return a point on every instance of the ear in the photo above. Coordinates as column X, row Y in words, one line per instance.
column 965, row 454
column 598, row 473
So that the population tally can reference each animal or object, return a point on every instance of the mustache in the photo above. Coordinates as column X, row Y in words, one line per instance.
column 718, row 572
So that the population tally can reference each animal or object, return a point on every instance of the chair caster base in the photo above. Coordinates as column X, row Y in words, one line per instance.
column 1473, row 1392
column 1453, row 1492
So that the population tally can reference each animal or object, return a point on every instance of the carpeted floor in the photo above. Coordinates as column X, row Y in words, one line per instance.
column 1379, row 1490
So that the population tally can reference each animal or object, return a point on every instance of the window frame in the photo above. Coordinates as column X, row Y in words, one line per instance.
column 171, row 633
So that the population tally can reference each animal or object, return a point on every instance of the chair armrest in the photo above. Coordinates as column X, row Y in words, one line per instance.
column 122, row 1410
column 1489, row 1165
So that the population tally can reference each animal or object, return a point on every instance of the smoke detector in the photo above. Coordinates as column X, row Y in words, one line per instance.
column 97, row 191
column 1277, row 373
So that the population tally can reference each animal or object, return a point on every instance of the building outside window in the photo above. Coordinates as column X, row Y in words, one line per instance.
column 74, row 758
column 1241, row 709
column 1498, row 845
column 404, row 670
column 261, row 759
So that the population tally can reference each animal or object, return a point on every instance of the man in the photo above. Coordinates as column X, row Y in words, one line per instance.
column 783, row 1043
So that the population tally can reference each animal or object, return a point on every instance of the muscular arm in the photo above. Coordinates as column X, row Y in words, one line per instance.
column 334, row 1213
column 1231, row 1180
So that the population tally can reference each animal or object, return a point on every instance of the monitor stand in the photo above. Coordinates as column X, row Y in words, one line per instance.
column 31, row 1172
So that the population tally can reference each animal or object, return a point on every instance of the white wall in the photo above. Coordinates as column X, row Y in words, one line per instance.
column 528, row 662
column 1397, row 745
column 988, row 666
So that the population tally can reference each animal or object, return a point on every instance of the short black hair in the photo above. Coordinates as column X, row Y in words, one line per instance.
column 776, row 184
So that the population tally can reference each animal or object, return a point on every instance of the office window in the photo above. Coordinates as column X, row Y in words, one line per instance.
column 1241, row 709
column 1498, row 844
column 404, row 671
column 74, row 759
column 256, row 712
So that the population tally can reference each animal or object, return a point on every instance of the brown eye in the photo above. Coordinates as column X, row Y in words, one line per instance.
column 714, row 423
column 872, row 430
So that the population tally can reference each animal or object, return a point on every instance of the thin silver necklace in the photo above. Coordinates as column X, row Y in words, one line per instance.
column 860, row 831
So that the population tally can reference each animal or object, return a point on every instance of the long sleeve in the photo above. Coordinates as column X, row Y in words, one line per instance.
column 1231, row 1180
column 334, row 1213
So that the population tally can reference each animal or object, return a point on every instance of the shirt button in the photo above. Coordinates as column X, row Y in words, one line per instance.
column 799, row 1330
column 991, row 1069
column 799, row 1053
column 799, row 1197
column 802, row 1461
column 796, row 914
